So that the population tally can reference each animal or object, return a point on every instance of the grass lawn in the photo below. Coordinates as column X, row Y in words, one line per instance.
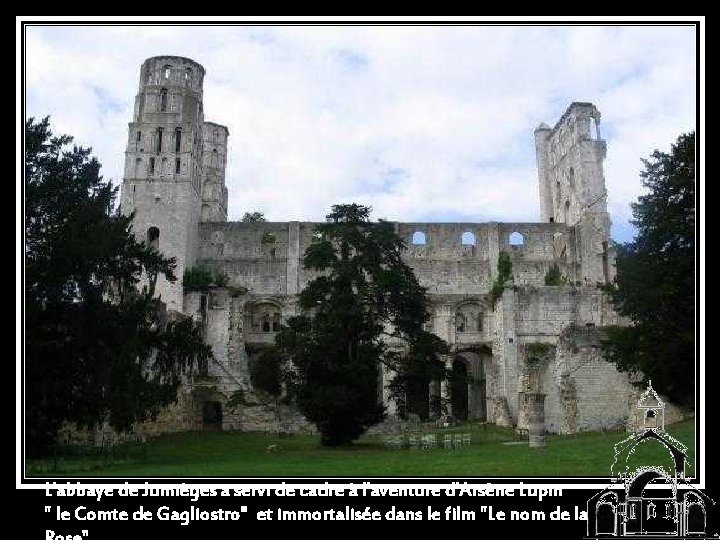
column 233, row 453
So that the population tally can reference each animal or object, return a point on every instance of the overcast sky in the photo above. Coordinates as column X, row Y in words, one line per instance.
column 421, row 123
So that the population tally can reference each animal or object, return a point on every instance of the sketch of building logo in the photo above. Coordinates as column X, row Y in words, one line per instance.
column 649, row 501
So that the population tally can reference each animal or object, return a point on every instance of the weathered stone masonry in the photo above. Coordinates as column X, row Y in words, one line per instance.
column 175, row 183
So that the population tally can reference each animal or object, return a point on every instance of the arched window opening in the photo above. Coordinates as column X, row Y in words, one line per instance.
column 276, row 323
column 188, row 73
column 163, row 100
column 178, row 137
column 159, row 138
column 516, row 239
column 418, row 238
column 266, row 323
column 567, row 212
column 153, row 238
column 467, row 239
column 166, row 71
column 594, row 129
column 138, row 137
column 460, row 322
column 479, row 323
column 152, row 165
column 214, row 160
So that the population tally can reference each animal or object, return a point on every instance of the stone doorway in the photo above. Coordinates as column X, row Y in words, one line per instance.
column 212, row 416
column 468, row 392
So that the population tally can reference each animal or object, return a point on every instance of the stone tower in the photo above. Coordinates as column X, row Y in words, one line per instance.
column 572, row 187
column 163, row 177
column 214, row 194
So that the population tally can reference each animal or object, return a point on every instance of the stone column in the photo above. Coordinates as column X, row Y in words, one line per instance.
column 445, row 387
column 536, row 419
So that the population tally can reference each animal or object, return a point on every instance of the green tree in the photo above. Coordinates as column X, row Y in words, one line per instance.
column 363, row 295
column 655, row 284
column 97, row 346
column 253, row 217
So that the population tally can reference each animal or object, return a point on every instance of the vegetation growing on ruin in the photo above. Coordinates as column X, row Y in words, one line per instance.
column 504, row 277
column 200, row 278
column 554, row 278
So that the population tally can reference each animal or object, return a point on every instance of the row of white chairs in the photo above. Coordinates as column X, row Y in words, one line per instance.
column 428, row 441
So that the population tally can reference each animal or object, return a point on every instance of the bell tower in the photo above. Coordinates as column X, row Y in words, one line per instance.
column 572, row 187
column 163, row 173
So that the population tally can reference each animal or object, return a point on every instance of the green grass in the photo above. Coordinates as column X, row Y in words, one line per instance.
column 244, row 454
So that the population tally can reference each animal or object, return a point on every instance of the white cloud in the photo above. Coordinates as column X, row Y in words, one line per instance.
column 420, row 122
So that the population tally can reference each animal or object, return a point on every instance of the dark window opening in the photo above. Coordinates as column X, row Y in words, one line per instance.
column 605, row 261
column 177, row 166
column 138, row 137
column 159, row 139
column 459, row 323
column 276, row 322
column 266, row 323
column 152, row 165
column 552, row 220
column 178, row 136
column 153, row 238
column 163, row 100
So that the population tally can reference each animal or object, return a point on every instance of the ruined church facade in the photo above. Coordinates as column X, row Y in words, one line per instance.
column 536, row 338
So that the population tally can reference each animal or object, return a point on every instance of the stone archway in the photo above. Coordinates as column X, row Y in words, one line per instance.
column 212, row 415
column 468, row 392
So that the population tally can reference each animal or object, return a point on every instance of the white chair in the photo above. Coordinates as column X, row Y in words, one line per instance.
column 466, row 439
column 457, row 440
column 413, row 442
column 447, row 442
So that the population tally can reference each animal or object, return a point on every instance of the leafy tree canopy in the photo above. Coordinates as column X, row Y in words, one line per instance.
column 253, row 217
column 98, row 346
column 655, row 286
column 363, row 297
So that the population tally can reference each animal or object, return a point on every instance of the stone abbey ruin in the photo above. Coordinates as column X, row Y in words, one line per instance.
column 535, row 339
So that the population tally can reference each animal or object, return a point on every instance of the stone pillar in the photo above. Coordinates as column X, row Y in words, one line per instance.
column 536, row 419
column 445, row 387
column 501, row 413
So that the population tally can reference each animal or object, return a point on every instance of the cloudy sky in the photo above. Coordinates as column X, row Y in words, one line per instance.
column 421, row 123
